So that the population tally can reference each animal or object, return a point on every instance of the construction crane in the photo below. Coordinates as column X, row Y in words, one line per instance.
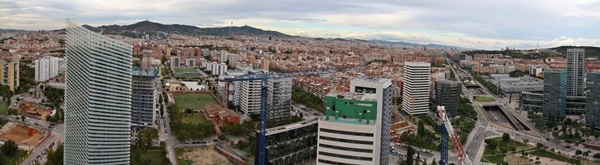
column 262, row 76
column 448, row 133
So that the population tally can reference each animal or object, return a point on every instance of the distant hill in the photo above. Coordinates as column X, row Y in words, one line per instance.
column 12, row 30
column 590, row 51
column 435, row 46
column 138, row 29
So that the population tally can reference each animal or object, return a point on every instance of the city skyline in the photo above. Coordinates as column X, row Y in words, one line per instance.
column 464, row 23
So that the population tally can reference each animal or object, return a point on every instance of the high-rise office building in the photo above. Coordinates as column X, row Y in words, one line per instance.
column 97, row 98
column 575, row 71
column 9, row 73
column 555, row 93
column 294, row 143
column 416, row 88
column 447, row 93
column 143, row 97
column 250, row 97
column 279, row 98
column 592, row 115
column 356, row 126
column 46, row 68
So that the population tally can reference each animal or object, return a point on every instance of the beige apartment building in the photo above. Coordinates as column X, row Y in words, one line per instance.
column 9, row 72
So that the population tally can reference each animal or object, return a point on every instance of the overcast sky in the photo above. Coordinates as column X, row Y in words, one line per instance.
column 485, row 24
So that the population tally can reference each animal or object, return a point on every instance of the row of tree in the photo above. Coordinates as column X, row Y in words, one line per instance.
column 310, row 100
column 188, row 131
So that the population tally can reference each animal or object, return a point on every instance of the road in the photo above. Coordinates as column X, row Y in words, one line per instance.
column 536, row 136
column 164, row 127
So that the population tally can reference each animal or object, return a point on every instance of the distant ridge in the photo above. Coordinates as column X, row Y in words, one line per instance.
column 138, row 29
column 12, row 30
column 435, row 46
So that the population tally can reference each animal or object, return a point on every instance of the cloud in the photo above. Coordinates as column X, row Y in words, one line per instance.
column 467, row 23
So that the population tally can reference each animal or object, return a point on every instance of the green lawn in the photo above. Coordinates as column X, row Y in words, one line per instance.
column 484, row 99
column 154, row 156
column 496, row 155
column 180, row 159
column 194, row 101
column 184, row 70
column 14, row 159
column 548, row 154
column 4, row 107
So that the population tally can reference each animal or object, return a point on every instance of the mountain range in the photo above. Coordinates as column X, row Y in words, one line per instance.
column 143, row 27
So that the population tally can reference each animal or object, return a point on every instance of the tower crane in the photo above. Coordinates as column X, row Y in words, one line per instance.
column 262, row 76
column 448, row 133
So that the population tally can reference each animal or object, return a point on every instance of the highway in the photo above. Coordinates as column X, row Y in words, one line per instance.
column 483, row 126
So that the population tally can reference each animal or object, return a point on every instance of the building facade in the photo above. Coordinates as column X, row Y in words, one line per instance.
column 356, row 126
column 9, row 72
column 415, row 92
column 97, row 98
column 592, row 115
column 575, row 72
column 294, row 143
column 143, row 97
column 250, row 97
column 46, row 68
column 279, row 98
column 175, row 62
column 447, row 93
column 555, row 94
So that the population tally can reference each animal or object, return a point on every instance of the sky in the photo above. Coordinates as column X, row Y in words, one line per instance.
column 479, row 24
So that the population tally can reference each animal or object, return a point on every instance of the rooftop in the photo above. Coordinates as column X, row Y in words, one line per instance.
column 354, row 96
column 291, row 126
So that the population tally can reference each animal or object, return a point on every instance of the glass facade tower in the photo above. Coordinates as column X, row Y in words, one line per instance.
column 97, row 98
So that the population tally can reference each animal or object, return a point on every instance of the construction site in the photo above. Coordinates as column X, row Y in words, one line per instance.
column 25, row 136
column 33, row 110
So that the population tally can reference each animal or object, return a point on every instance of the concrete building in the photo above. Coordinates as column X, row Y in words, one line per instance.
column 575, row 72
column 555, row 94
column 264, row 64
column 294, row 143
column 191, row 62
column 250, row 97
column 223, row 56
column 279, row 98
column 233, row 59
column 535, row 70
column 9, row 72
column 531, row 101
column 356, row 126
column 97, row 98
column 143, row 97
column 416, row 88
column 447, row 93
column 46, row 68
column 175, row 62
column 592, row 116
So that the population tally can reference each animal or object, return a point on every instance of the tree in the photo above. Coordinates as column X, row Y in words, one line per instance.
column 10, row 148
column 433, row 162
column 146, row 137
column 597, row 155
column 409, row 155
column 505, row 137
column 578, row 152
column 23, row 118
column 421, row 129
column 568, row 121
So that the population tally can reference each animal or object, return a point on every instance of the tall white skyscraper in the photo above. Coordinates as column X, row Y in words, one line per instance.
column 46, row 68
column 415, row 93
column 356, row 126
column 97, row 98
column 575, row 71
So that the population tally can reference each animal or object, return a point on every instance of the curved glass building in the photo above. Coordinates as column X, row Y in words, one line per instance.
column 97, row 98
